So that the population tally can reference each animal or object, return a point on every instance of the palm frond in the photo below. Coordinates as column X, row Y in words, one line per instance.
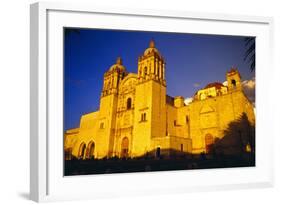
column 71, row 30
column 250, row 53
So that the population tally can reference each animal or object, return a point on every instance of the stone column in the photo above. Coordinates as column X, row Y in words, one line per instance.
column 160, row 70
column 164, row 71
column 142, row 71
column 153, row 67
column 156, row 68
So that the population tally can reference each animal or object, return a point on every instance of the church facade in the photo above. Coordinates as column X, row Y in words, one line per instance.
column 137, row 118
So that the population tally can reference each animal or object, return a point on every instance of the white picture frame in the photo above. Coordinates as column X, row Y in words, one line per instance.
column 47, row 182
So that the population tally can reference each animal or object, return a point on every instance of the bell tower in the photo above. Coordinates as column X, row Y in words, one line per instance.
column 150, row 101
column 233, row 80
column 151, row 65
column 108, row 106
column 112, row 78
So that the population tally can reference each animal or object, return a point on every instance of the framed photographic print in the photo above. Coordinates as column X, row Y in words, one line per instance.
column 127, row 102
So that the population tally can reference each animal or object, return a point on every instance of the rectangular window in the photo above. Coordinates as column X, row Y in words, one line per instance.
column 186, row 119
column 181, row 147
column 175, row 123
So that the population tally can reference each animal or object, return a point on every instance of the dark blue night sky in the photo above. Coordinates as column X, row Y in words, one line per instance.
column 192, row 61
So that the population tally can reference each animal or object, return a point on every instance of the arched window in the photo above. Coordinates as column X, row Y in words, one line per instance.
column 125, row 147
column 233, row 82
column 145, row 70
column 129, row 103
column 102, row 125
column 81, row 151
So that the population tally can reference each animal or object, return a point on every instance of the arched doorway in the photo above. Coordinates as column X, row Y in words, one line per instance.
column 209, row 141
column 158, row 152
column 68, row 154
column 125, row 147
column 81, row 151
column 91, row 150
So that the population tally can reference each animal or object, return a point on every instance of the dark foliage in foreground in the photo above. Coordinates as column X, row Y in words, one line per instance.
column 114, row 165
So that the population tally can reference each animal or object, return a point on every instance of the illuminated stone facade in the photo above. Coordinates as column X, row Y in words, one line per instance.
column 138, row 118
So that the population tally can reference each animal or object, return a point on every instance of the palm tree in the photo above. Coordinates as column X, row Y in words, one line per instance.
column 68, row 31
column 250, row 54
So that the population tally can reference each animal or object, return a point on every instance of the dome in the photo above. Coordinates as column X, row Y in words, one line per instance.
column 151, row 48
column 217, row 85
column 117, row 66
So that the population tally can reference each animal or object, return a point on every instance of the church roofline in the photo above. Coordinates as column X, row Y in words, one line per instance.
column 72, row 130
column 90, row 112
